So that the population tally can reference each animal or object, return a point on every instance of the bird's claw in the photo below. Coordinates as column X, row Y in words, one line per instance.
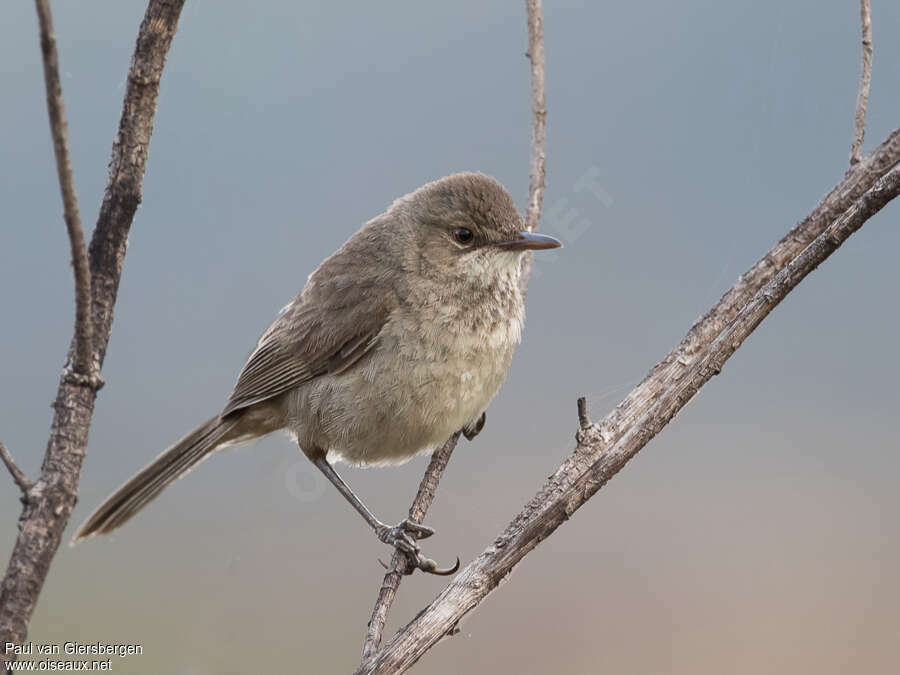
column 404, row 534
column 418, row 530
column 470, row 432
column 430, row 566
column 403, row 537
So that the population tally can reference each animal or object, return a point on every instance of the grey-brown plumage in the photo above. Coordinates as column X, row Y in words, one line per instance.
column 400, row 338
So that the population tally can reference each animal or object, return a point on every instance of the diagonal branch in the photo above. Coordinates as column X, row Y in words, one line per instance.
column 860, row 178
column 53, row 496
column 865, row 82
column 596, row 460
column 82, row 364
column 17, row 474
column 441, row 457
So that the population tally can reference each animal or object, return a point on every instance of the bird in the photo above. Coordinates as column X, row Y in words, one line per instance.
column 398, row 340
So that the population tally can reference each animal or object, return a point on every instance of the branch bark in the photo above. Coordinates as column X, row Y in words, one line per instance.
column 53, row 495
column 82, row 363
column 597, row 458
column 865, row 83
column 18, row 476
column 535, row 55
column 425, row 495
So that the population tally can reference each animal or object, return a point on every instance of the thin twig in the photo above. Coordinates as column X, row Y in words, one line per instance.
column 546, row 512
column 17, row 474
column 45, row 516
column 535, row 54
column 425, row 495
column 400, row 563
column 537, row 174
column 83, row 361
column 865, row 82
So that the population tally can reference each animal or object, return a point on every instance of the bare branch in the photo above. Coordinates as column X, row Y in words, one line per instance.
column 547, row 511
column 82, row 364
column 439, row 459
column 400, row 563
column 865, row 82
column 17, row 474
column 538, row 171
column 47, row 511
column 855, row 183
column 535, row 54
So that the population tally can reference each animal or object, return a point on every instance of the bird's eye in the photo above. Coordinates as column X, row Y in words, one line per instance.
column 463, row 235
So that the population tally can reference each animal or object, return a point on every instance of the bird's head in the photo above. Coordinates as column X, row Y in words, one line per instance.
column 466, row 226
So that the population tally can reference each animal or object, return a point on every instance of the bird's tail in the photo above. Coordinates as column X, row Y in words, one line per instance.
column 153, row 479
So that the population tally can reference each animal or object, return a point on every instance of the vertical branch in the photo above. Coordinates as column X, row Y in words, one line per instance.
column 535, row 54
column 865, row 82
column 82, row 364
column 441, row 457
column 52, row 497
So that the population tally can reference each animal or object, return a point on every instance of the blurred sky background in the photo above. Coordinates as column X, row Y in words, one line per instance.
column 759, row 533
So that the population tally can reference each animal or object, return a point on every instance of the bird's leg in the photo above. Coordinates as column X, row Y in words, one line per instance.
column 401, row 536
column 471, row 431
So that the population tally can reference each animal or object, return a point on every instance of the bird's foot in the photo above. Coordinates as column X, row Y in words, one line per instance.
column 403, row 537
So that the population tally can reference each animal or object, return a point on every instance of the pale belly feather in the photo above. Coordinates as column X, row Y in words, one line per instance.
column 416, row 388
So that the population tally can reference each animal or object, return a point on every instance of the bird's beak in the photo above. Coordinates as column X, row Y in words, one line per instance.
column 529, row 241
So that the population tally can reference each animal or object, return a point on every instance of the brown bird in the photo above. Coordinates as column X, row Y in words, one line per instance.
column 399, row 339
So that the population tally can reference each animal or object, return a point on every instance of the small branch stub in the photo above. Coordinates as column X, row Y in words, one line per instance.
column 17, row 474
column 92, row 381
column 582, row 436
column 584, row 420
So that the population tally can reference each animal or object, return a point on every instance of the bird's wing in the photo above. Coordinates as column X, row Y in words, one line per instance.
column 327, row 329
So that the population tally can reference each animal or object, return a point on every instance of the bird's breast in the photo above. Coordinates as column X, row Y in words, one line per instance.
column 446, row 371
column 430, row 374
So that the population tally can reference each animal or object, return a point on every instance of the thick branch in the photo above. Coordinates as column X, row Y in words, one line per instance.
column 82, row 364
column 53, row 496
column 546, row 511
column 435, row 470
column 400, row 563
column 865, row 82
column 17, row 474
